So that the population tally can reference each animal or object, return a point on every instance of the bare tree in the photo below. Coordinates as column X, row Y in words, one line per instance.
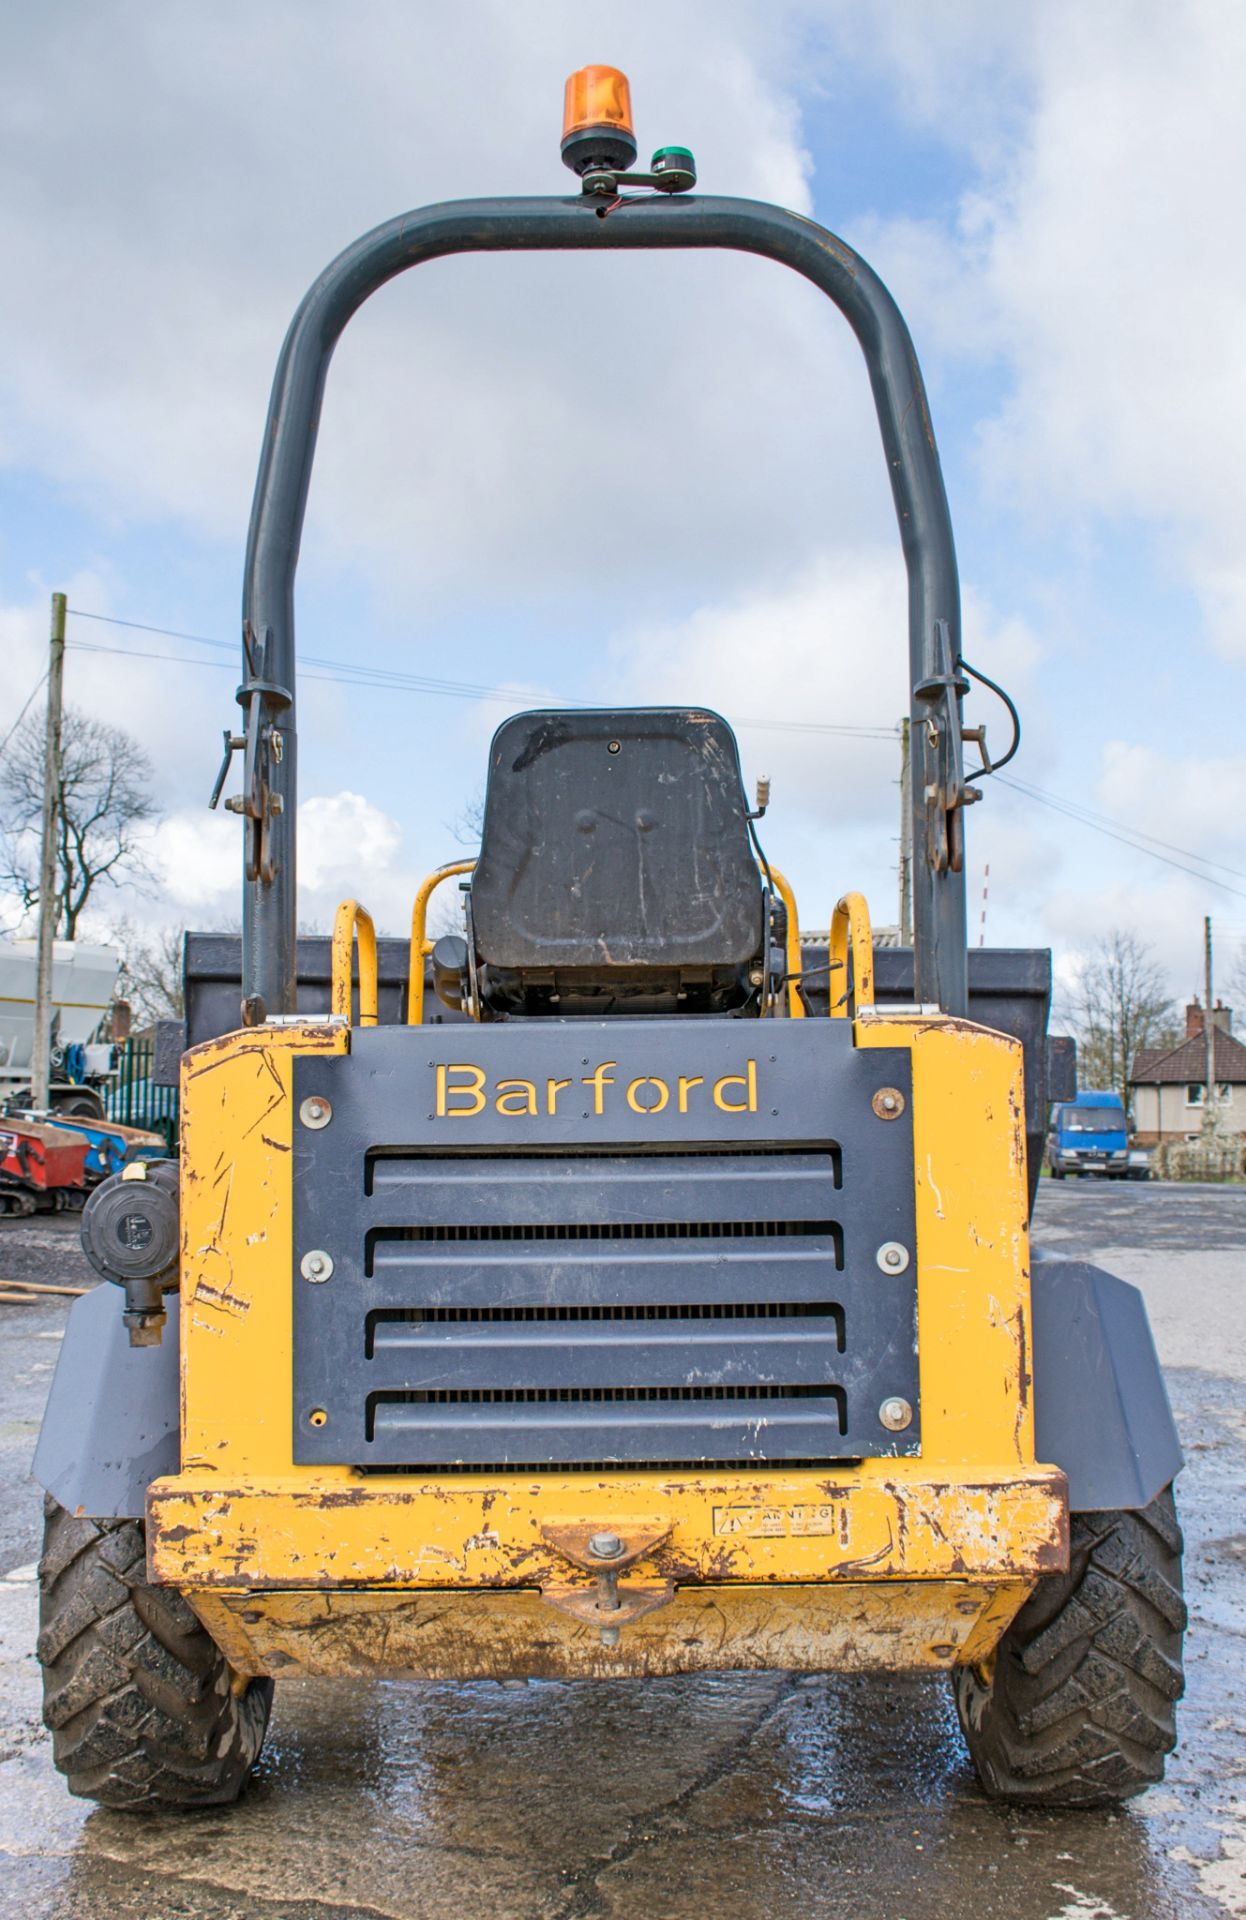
column 151, row 970
column 1119, row 1002
column 470, row 823
column 105, row 802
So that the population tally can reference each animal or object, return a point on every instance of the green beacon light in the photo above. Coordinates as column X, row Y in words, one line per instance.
column 673, row 169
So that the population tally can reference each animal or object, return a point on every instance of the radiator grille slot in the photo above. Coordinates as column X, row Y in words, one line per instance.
column 385, row 1164
column 525, row 1316
column 457, row 1467
column 595, row 1396
column 832, row 1400
column 603, row 1233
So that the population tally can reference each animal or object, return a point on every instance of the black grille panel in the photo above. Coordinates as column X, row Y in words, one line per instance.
column 556, row 1309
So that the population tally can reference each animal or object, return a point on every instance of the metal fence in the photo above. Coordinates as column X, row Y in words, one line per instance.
column 135, row 1101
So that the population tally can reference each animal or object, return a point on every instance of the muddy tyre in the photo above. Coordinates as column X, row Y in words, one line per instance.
column 143, row 1708
column 1079, row 1709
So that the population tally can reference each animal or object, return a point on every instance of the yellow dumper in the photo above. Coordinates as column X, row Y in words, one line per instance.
column 621, row 1285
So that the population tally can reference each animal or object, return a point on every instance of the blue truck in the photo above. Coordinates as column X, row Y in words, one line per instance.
column 1089, row 1135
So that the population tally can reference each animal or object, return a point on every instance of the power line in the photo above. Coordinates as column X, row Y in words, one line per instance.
column 360, row 674
column 139, row 626
column 1072, row 813
column 22, row 715
column 1090, row 815
column 317, row 667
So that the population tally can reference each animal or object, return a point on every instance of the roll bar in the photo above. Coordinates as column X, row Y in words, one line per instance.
column 555, row 224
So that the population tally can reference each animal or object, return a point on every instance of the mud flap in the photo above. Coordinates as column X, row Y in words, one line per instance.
column 1100, row 1405
column 111, row 1425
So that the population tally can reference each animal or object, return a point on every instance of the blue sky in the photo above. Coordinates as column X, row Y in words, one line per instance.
column 174, row 177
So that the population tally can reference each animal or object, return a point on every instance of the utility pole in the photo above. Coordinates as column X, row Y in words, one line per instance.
column 906, row 835
column 49, row 900
column 1209, row 1035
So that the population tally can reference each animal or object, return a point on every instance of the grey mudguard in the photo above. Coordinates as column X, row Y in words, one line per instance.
column 1100, row 1405
column 111, row 1425
column 1101, row 1409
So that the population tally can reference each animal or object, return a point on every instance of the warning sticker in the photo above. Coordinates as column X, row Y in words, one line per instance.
column 828, row 1519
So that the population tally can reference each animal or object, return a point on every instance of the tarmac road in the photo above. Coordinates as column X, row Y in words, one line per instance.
column 715, row 1797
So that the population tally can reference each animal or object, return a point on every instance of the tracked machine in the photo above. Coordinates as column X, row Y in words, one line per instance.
column 616, row 1287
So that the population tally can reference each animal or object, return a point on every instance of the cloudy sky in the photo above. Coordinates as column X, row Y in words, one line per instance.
column 1051, row 191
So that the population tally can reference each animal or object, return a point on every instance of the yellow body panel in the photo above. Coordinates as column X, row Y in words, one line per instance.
column 241, row 1518
column 893, row 1623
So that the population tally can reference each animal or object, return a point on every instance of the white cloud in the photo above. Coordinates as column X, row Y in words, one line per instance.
column 794, row 649
column 1056, row 881
column 348, row 848
column 1191, row 803
column 199, row 860
column 500, row 415
column 1096, row 260
column 344, row 841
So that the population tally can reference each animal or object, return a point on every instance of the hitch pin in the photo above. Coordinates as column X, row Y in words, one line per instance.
column 608, row 1602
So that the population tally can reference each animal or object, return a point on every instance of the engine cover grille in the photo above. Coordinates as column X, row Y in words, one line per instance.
column 629, row 1302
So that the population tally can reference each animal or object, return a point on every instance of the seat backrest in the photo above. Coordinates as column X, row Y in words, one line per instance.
column 616, row 839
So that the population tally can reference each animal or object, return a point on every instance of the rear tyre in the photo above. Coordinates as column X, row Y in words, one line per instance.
column 1078, row 1709
column 144, row 1709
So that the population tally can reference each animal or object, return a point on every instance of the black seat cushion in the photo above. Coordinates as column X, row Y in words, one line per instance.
column 616, row 839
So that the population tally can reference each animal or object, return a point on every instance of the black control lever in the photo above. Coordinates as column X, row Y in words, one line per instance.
column 234, row 743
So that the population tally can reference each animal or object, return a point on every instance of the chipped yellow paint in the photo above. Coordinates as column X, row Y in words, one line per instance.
column 929, row 1625
column 237, row 1259
column 476, row 1531
column 353, row 923
column 973, row 1254
column 241, row 1516
column 851, row 935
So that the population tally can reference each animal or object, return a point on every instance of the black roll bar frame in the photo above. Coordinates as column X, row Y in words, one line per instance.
column 556, row 224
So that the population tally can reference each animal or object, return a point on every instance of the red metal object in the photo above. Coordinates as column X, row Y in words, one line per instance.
column 44, row 1158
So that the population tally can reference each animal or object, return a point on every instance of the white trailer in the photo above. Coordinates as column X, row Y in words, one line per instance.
column 84, row 981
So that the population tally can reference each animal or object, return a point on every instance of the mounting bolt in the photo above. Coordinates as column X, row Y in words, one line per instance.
column 888, row 1103
column 315, row 1112
column 316, row 1265
column 605, row 1546
column 896, row 1414
column 892, row 1257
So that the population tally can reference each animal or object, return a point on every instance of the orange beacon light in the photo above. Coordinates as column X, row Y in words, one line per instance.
column 597, row 121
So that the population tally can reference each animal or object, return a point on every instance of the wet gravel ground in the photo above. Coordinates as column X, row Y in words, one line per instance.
column 724, row 1797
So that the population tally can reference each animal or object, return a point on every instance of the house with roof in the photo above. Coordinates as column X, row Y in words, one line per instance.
column 1168, row 1085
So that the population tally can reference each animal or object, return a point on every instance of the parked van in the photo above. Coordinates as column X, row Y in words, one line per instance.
column 1089, row 1135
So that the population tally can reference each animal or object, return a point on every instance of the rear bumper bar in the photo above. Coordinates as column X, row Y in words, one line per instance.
column 472, row 1532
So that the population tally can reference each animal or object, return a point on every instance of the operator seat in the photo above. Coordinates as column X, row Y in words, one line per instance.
column 616, row 872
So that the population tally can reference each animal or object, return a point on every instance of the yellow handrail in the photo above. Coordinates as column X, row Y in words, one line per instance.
column 795, row 1005
column 351, row 920
column 850, row 925
column 420, row 943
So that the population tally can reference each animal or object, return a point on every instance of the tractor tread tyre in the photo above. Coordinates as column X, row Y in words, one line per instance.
column 1079, row 1708
column 144, row 1710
